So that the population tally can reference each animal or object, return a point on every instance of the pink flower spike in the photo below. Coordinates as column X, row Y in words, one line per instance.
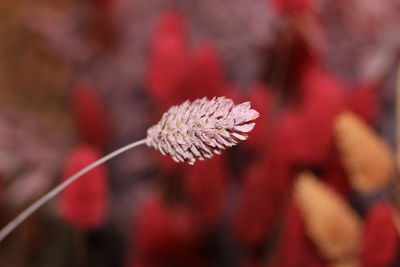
column 192, row 130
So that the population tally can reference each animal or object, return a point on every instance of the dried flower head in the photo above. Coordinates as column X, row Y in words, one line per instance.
column 330, row 222
column 198, row 129
column 366, row 156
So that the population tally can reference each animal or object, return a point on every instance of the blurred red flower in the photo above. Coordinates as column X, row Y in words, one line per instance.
column 206, row 185
column 175, row 72
column 104, row 3
column 363, row 100
column 295, row 248
column 83, row 204
column 206, row 77
column 169, row 60
column 260, row 201
column 164, row 234
column 380, row 241
column 294, row 8
column 90, row 115
column 307, row 127
column 322, row 100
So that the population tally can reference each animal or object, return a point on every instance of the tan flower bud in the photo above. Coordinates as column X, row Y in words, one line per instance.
column 330, row 222
column 366, row 156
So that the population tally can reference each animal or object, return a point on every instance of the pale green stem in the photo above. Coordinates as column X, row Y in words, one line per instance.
column 6, row 230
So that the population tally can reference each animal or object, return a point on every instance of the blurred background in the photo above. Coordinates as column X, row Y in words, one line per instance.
column 316, row 183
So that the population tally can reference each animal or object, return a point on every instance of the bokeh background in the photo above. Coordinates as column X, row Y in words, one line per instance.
column 314, row 185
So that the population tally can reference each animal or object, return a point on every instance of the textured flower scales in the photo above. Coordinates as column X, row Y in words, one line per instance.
column 202, row 128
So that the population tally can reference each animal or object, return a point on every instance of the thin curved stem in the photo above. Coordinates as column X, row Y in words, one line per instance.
column 6, row 230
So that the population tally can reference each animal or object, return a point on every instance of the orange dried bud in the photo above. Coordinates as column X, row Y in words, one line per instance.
column 330, row 222
column 366, row 156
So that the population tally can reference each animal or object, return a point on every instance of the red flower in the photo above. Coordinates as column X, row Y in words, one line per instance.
column 169, row 60
column 380, row 244
column 363, row 100
column 295, row 249
column 104, row 3
column 164, row 234
column 323, row 101
column 90, row 115
column 294, row 8
column 308, row 126
column 206, row 76
column 285, row 136
column 152, row 232
column 83, row 204
column 206, row 184
column 259, row 205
